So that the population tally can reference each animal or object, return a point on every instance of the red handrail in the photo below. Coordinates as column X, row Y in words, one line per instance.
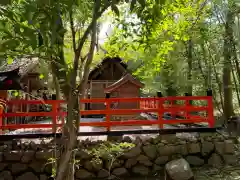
column 154, row 104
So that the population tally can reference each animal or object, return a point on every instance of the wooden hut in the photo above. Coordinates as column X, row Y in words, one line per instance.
column 127, row 86
column 112, row 76
column 27, row 70
column 9, row 80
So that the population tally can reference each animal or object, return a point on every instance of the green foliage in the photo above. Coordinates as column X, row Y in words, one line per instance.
column 151, row 36
column 110, row 150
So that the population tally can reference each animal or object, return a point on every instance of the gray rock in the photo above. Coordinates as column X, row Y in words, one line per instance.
column 13, row 155
column 194, row 148
column 166, row 150
column 48, row 168
column 144, row 160
column 37, row 166
column 115, row 164
column 140, row 170
column 1, row 156
column 6, row 175
column 219, row 147
column 195, row 161
column 138, row 141
column 130, row 163
column 84, row 174
column 115, row 138
column 43, row 177
column 33, row 145
column 136, row 151
column 44, row 155
column 3, row 166
column 169, row 137
column 120, row 172
column 127, row 139
column 182, row 142
column 18, row 167
column 215, row 160
column 93, row 165
column 230, row 159
column 178, row 170
column 207, row 148
column 229, row 147
column 162, row 160
column 103, row 173
column 157, row 140
column 28, row 156
column 27, row 175
column 156, row 168
column 81, row 154
column 150, row 151
column 181, row 149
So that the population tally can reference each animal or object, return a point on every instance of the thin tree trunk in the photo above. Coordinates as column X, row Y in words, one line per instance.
column 219, row 84
column 217, row 78
column 189, row 73
column 227, row 83
column 65, row 169
column 236, row 87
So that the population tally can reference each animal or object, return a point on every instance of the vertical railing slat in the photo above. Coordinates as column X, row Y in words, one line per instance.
column 55, row 106
column 160, row 110
column 210, row 109
column 108, row 109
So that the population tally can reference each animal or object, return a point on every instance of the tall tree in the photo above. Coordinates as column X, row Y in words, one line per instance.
column 38, row 28
column 227, row 65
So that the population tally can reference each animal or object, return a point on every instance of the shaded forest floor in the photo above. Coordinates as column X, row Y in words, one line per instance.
column 204, row 173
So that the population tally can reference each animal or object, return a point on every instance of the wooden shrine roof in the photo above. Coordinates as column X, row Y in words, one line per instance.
column 25, row 65
column 127, row 78
column 101, row 66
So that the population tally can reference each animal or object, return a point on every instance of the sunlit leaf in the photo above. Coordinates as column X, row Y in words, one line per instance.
column 115, row 9
column 9, row 60
column 142, row 2
column 16, row 93
column 133, row 2
column 41, row 76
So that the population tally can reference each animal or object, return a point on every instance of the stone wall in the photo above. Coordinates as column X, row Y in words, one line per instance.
column 30, row 161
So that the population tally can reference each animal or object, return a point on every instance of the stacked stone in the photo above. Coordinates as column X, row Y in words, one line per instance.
column 23, row 161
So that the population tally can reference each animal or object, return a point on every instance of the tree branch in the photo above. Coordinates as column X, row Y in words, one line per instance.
column 89, row 28
column 72, row 30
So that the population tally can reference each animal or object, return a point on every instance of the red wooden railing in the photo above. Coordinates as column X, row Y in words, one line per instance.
column 155, row 105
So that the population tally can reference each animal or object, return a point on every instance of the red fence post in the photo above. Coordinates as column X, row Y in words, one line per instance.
column 108, row 111
column 187, row 103
column 2, row 107
column 160, row 110
column 55, row 106
column 210, row 109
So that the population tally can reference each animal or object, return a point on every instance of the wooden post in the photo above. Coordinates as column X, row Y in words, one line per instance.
column 2, row 107
column 160, row 110
column 187, row 103
column 55, row 106
column 108, row 117
column 210, row 109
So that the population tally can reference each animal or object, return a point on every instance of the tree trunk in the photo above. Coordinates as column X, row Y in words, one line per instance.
column 227, row 83
column 189, row 74
column 236, row 86
column 65, row 170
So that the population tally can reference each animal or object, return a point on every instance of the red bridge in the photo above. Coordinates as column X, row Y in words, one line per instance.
column 157, row 106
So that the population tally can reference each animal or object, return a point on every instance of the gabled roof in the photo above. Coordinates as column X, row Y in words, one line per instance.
column 127, row 78
column 25, row 65
column 100, row 66
column 10, row 80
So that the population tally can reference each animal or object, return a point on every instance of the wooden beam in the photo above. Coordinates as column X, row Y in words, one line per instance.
column 119, row 66
column 110, row 133
column 100, row 69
